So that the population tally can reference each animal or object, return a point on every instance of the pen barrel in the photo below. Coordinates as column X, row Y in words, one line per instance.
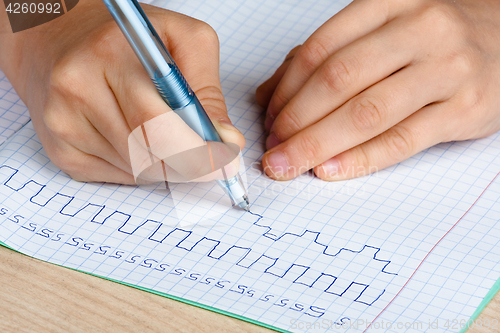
column 175, row 91
column 141, row 36
column 161, row 68
column 168, row 80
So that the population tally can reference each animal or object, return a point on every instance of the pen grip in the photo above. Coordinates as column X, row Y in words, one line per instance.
column 176, row 92
column 173, row 88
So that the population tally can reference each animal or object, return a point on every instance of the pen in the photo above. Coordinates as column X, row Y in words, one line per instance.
column 169, row 82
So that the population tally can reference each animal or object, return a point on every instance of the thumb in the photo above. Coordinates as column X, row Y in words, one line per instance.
column 266, row 90
column 195, row 47
column 213, row 102
column 228, row 132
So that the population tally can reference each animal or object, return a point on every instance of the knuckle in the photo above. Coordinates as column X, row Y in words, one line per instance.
column 65, row 78
column 311, row 54
column 366, row 114
column 462, row 63
column 280, row 100
column 336, row 75
column 210, row 92
column 205, row 35
column 212, row 96
column 441, row 18
column 399, row 143
column 69, row 165
column 309, row 148
column 361, row 158
column 289, row 122
column 470, row 104
column 106, row 42
column 473, row 100
column 56, row 125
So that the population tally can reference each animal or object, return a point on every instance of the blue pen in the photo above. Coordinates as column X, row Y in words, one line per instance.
column 169, row 81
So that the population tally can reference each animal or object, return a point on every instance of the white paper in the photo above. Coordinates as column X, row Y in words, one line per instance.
column 313, row 253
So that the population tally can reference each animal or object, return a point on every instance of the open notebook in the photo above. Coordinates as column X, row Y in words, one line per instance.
column 414, row 246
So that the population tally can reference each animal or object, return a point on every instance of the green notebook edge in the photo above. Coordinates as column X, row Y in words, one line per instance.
column 175, row 298
column 486, row 300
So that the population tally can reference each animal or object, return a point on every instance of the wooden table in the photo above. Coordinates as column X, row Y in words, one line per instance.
column 36, row 296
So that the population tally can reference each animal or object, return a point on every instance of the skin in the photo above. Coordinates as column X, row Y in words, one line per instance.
column 86, row 90
column 381, row 81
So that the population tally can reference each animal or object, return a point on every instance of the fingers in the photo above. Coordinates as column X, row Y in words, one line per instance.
column 85, row 167
column 95, row 144
column 96, row 169
column 362, row 118
column 194, row 45
column 150, row 120
column 400, row 142
column 265, row 90
column 91, row 125
column 145, row 111
column 344, row 75
column 76, row 163
column 335, row 34
column 159, row 130
column 107, row 121
column 182, row 150
column 104, row 112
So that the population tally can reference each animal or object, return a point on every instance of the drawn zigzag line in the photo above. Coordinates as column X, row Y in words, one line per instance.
column 242, row 256
column 325, row 247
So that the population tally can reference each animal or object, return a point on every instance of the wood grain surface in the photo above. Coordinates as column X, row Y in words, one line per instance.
column 36, row 296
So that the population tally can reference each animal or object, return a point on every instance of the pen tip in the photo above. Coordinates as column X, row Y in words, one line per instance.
column 244, row 205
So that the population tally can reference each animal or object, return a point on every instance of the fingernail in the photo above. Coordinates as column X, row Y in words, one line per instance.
column 278, row 164
column 272, row 141
column 269, row 122
column 331, row 167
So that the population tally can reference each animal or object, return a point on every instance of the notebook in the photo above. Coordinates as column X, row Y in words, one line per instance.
column 410, row 248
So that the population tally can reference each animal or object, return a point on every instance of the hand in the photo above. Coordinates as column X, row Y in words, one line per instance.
column 87, row 91
column 381, row 81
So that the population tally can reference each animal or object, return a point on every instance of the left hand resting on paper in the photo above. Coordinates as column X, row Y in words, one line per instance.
column 381, row 81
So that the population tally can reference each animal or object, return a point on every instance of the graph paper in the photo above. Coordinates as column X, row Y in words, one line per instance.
column 414, row 246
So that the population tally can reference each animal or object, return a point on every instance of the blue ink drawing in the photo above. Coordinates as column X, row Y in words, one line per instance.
column 299, row 259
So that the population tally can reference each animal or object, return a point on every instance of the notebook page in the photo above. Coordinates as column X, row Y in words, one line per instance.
column 13, row 113
column 411, row 245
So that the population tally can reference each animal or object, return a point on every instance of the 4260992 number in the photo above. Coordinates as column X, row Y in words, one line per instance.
column 32, row 8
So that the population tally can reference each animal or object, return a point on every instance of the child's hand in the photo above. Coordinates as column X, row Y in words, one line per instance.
column 381, row 81
column 86, row 90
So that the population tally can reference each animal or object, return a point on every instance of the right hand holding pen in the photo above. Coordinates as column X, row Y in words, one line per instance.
column 86, row 90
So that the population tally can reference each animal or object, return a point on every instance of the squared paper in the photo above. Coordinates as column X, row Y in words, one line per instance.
column 411, row 245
